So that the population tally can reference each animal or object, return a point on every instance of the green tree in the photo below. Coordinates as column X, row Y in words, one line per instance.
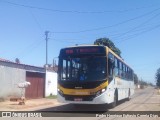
column 17, row 60
column 135, row 79
column 158, row 77
column 143, row 82
column 107, row 42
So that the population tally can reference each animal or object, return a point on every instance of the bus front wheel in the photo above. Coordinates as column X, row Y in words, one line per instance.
column 115, row 100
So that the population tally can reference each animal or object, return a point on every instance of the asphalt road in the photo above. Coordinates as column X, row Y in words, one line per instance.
column 144, row 104
column 143, row 100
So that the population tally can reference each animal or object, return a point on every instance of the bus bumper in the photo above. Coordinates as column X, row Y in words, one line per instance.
column 104, row 98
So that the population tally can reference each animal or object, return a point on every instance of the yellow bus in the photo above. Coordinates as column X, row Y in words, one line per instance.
column 93, row 74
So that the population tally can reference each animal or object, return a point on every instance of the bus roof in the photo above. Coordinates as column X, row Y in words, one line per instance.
column 81, row 46
column 121, row 59
column 109, row 50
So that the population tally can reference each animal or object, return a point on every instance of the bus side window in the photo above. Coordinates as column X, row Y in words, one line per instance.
column 120, row 69
column 129, row 74
column 122, row 74
column 132, row 75
column 110, row 64
column 116, row 67
column 123, row 71
column 64, row 70
column 126, row 72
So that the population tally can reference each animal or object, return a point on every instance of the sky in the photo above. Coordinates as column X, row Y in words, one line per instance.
column 133, row 26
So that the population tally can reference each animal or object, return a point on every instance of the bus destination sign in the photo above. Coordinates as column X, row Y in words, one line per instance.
column 83, row 50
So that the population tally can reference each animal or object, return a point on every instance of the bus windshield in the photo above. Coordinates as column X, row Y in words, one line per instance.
column 83, row 68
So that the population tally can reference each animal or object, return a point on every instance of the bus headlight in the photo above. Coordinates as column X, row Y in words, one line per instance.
column 100, row 92
column 103, row 90
column 60, row 92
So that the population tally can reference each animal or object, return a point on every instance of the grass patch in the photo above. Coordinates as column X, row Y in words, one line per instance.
column 52, row 97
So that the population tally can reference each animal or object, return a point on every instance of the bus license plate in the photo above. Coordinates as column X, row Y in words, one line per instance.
column 78, row 99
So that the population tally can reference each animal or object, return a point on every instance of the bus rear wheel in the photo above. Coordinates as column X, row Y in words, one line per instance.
column 129, row 95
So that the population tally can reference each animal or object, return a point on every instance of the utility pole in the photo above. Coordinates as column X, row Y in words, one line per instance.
column 46, row 34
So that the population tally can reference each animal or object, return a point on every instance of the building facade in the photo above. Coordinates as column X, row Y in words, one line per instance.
column 11, row 74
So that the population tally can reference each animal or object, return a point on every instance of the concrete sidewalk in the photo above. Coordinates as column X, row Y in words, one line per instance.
column 30, row 105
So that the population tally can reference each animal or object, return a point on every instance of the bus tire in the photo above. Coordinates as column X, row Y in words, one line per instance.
column 114, row 103
column 129, row 95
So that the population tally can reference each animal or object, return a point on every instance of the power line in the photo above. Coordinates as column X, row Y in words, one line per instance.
column 138, row 34
column 29, row 48
column 117, row 24
column 135, row 30
column 36, row 21
column 68, row 41
column 140, row 25
column 76, row 40
column 81, row 31
column 75, row 11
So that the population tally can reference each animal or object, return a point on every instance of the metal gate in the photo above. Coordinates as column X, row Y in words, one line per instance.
column 36, row 89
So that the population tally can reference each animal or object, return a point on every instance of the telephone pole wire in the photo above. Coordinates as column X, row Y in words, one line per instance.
column 46, row 34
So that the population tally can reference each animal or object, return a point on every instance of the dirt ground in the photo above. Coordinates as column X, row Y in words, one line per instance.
column 32, row 104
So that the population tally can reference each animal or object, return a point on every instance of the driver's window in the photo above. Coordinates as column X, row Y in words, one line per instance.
column 64, row 73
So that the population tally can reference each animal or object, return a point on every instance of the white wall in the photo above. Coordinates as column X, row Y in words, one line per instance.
column 9, row 78
column 50, row 83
